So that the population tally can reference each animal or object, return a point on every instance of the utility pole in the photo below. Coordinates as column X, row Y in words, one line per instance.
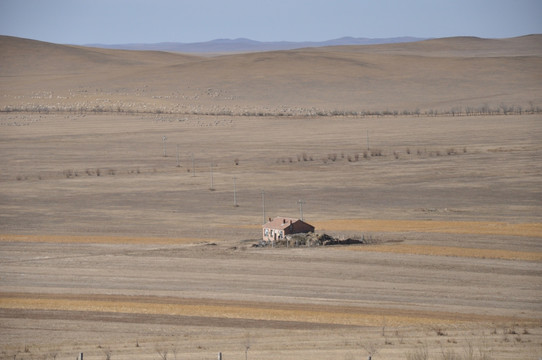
column 193, row 166
column 164, row 138
column 234, row 194
column 178, row 161
column 263, row 206
column 212, row 181
column 300, row 202
column 367, row 139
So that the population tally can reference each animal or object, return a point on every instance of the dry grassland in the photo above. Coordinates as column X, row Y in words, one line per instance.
column 353, row 317
column 452, row 251
column 100, row 239
column 117, row 243
column 448, row 227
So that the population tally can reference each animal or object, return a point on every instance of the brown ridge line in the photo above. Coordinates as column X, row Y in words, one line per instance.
column 330, row 309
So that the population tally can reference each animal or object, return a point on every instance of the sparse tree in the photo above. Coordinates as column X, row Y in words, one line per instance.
column 162, row 353
column 371, row 348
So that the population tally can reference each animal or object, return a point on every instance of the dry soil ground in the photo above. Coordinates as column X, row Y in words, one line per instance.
column 114, row 242
column 146, row 257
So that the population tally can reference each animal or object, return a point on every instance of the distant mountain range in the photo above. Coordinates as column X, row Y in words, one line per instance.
column 247, row 45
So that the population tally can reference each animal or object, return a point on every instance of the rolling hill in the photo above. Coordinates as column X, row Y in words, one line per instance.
column 248, row 45
column 438, row 74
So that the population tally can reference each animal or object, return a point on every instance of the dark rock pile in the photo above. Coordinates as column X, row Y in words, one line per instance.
column 310, row 240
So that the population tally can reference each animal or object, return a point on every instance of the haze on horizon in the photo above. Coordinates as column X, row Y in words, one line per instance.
column 140, row 21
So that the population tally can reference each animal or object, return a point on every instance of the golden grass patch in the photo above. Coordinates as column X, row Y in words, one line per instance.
column 81, row 239
column 263, row 313
column 450, row 251
column 429, row 226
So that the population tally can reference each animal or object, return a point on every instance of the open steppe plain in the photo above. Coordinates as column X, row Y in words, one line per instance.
column 146, row 257
column 113, row 244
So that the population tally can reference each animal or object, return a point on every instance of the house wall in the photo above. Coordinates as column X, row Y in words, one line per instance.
column 269, row 234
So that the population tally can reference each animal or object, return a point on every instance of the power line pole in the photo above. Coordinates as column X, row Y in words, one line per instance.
column 193, row 166
column 178, row 161
column 212, row 181
column 301, row 209
column 164, row 138
column 234, row 194
column 367, row 139
column 263, row 206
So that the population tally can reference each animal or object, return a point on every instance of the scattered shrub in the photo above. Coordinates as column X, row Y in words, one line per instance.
column 376, row 152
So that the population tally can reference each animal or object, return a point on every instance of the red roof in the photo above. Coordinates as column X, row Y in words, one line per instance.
column 280, row 223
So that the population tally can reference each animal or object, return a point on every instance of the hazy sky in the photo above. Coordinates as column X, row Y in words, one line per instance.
column 148, row 21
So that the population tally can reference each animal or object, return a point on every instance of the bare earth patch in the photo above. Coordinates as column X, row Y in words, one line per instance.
column 451, row 251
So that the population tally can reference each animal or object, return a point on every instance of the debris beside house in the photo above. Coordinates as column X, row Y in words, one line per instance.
column 312, row 240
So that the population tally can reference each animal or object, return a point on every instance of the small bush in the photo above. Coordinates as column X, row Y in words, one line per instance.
column 376, row 152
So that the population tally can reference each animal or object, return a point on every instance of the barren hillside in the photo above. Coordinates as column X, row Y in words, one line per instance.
column 435, row 75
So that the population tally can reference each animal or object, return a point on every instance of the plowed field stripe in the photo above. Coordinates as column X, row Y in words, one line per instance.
column 100, row 239
column 448, row 227
column 359, row 316
column 449, row 251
